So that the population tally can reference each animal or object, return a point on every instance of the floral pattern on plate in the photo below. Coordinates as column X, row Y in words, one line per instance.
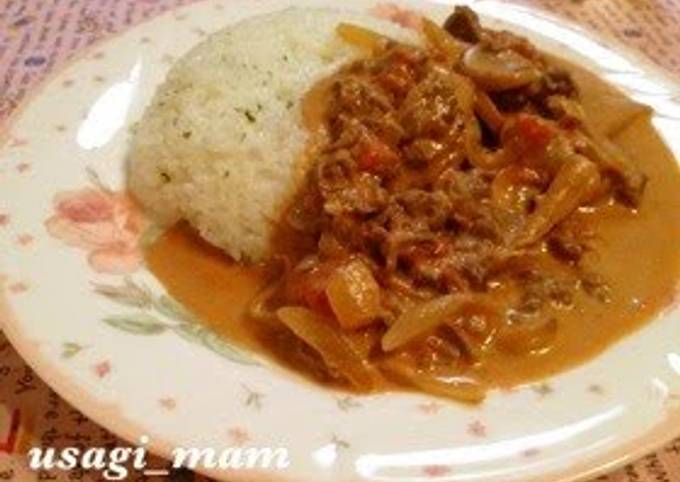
column 104, row 223
column 157, row 314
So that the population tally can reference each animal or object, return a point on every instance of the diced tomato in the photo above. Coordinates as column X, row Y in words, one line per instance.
column 526, row 137
column 375, row 156
column 308, row 288
column 533, row 131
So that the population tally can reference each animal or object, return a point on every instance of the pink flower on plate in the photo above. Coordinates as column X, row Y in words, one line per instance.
column 402, row 16
column 18, row 142
column 239, row 436
column 102, row 369
column 25, row 239
column 106, row 224
column 430, row 408
column 18, row 287
column 477, row 429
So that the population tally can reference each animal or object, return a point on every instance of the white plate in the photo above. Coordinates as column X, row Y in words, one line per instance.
column 191, row 390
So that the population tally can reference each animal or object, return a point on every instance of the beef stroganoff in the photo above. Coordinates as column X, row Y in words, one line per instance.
column 454, row 210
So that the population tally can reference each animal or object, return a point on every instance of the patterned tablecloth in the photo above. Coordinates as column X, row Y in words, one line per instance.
column 36, row 36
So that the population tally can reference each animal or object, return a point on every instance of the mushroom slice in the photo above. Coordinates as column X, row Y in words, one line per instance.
column 498, row 70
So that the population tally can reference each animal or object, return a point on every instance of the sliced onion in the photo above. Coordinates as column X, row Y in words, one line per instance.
column 611, row 158
column 364, row 341
column 442, row 41
column 425, row 317
column 456, row 387
column 354, row 295
column 488, row 112
column 361, row 37
column 512, row 186
column 465, row 94
column 259, row 309
column 574, row 185
column 336, row 351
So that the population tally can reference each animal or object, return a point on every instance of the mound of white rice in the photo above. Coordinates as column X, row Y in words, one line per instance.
column 220, row 143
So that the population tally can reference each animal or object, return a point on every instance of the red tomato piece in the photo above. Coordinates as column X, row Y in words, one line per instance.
column 375, row 156
column 534, row 132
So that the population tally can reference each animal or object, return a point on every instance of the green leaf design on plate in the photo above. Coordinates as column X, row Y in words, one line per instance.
column 191, row 332
column 172, row 309
column 139, row 323
column 144, row 322
column 129, row 294
column 196, row 333
column 70, row 349
column 221, row 347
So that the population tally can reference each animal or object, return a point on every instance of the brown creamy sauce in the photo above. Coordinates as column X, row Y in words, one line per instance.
column 637, row 252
